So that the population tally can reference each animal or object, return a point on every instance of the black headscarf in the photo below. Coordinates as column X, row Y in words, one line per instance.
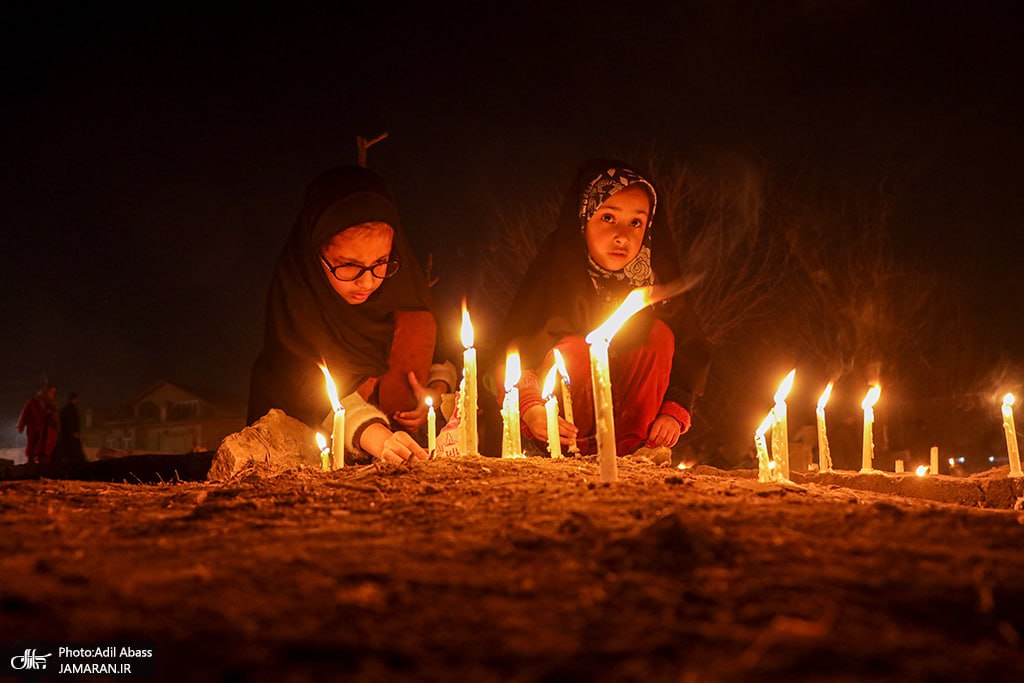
column 309, row 323
column 565, row 293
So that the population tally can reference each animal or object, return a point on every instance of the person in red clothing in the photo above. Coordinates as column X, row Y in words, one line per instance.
column 605, row 244
column 39, row 419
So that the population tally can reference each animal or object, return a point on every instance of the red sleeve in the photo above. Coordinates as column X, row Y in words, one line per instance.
column 529, row 391
column 677, row 412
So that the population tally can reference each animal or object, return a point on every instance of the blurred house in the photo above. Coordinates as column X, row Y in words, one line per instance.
column 166, row 418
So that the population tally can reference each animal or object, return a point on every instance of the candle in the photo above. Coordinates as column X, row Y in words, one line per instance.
column 325, row 452
column 824, row 457
column 551, row 407
column 431, row 427
column 765, row 470
column 899, row 465
column 934, row 459
column 868, row 404
column 469, row 439
column 511, row 441
column 566, row 397
column 780, row 431
column 600, row 375
column 338, row 432
column 1012, row 450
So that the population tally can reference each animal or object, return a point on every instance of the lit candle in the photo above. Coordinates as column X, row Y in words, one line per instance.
column 921, row 470
column 566, row 397
column 469, row 439
column 604, row 415
column 1012, row 450
column 868, row 404
column 824, row 457
column 325, row 452
column 764, row 464
column 934, row 459
column 338, row 432
column 431, row 427
column 780, row 431
column 511, row 442
column 551, row 407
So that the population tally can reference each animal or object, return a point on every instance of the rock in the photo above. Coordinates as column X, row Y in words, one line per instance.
column 275, row 439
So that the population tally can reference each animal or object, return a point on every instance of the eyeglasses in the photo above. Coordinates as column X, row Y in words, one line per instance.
column 347, row 272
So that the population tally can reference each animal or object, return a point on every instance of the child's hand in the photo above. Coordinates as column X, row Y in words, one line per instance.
column 400, row 447
column 412, row 419
column 665, row 431
column 536, row 418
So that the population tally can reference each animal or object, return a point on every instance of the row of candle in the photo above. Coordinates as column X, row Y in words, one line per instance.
column 775, row 467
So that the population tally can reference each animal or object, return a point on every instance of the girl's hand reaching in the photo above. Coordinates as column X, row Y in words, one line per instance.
column 400, row 447
column 412, row 419
column 665, row 431
column 396, row 447
column 536, row 418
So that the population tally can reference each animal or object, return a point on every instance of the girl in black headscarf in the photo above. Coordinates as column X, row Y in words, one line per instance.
column 348, row 293
column 605, row 244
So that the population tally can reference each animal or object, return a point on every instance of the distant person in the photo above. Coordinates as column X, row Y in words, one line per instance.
column 39, row 420
column 69, row 443
column 349, row 292
column 607, row 242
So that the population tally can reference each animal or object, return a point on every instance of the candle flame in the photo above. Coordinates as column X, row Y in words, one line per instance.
column 1008, row 400
column 768, row 423
column 467, row 328
column 681, row 466
column 921, row 470
column 332, row 390
column 634, row 302
column 872, row 397
column 560, row 364
column 321, row 442
column 513, row 370
column 952, row 462
column 825, row 396
column 785, row 387
column 549, row 382
column 430, row 402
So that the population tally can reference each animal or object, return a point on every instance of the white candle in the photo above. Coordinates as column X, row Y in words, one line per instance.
column 325, row 452
column 511, row 442
column 431, row 427
column 338, row 431
column 1012, row 449
column 824, row 457
column 780, row 431
column 600, row 375
column 566, row 396
column 934, row 459
column 764, row 465
column 551, row 408
column 868, row 404
column 899, row 465
column 469, row 393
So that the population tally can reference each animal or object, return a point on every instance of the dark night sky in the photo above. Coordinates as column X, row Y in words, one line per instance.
column 154, row 162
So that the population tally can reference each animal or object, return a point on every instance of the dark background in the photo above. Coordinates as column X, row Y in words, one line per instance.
column 153, row 161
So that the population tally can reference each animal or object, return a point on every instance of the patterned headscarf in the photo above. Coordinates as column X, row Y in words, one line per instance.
column 638, row 272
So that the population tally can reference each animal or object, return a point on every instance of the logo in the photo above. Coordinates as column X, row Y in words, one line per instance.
column 29, row 661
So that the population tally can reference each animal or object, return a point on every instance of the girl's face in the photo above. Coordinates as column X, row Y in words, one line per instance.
column 362, row 246
column 615, row 232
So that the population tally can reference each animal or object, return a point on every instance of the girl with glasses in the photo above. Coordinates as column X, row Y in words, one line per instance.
column 349, row 293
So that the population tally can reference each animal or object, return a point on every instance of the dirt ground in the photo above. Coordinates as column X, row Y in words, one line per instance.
column 477, row 569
